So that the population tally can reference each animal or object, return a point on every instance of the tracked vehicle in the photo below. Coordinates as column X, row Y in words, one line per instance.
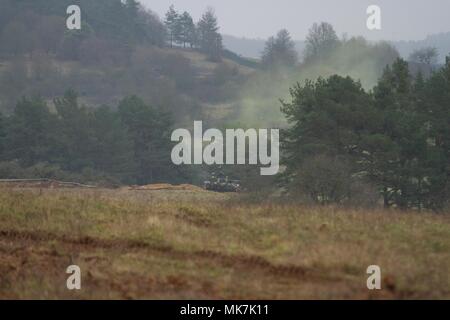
column 221, row 183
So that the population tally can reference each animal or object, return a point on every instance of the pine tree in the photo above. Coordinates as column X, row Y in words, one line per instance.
column 280, row 51
column 150, row 131
column 210, row 40
column 32, row 133
column 436, row 108
column 329, row 118
column 187, row 27
column 113, row 152
column 75, row 133
column 321, row 40
column 172, row 24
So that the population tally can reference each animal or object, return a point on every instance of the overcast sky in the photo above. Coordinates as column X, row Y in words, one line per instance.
column 401, row 19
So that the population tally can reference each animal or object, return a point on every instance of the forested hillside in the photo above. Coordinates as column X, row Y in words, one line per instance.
column 122, row 49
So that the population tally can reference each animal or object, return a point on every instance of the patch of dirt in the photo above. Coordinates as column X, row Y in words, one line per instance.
column 20, row 250
column 234, row 261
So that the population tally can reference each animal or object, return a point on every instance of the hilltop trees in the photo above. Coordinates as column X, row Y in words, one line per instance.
column 209, row 38
column 188, row 32
column 321, row 40
column 155, row 32
column 181, row 28
column 42, row 57
column 205, row 35
column 172, row 24
column 279, row 51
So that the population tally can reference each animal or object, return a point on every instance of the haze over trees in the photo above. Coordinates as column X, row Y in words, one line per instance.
column 353, row 57
column 321, row 41
column 428, row 56
column 279, row 51
column 121, row 50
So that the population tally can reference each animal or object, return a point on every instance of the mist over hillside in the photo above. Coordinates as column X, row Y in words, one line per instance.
column 252, row 48
column 439, row 41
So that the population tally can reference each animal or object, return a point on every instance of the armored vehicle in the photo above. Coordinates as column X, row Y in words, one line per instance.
column 221, row 183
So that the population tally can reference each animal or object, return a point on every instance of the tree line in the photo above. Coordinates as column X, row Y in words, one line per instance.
column 203, row 35
column 343, row 144
column 111, row 28
column 322, row 42
column 126, row 145
column 394, row 139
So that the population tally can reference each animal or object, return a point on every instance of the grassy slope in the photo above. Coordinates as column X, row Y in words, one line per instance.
column 206, row 67
column 139, row 244
column 200, row 63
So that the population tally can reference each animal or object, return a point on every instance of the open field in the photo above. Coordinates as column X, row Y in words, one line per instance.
column 134, row 244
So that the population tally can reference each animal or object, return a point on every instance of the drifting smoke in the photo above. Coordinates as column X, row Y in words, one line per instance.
column 260, row 97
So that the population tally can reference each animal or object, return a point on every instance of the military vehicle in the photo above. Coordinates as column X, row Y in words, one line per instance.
column 221, row 183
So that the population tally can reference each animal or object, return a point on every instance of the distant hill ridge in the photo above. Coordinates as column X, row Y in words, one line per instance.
column 252, row 48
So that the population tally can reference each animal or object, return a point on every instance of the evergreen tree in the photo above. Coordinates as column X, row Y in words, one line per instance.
column 328, row 119
column 113, row 152
column 31, row 133
column 321, row 40
column 76, row 133
column 436, row 109
column 396, row 137
column 210, row 40
column 187, row 26
column 172, row 23
column 150, row 131
column 402, row 176
column 132, row 6
column 280, row 51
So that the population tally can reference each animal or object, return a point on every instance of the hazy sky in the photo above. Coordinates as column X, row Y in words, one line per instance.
column 401, row 19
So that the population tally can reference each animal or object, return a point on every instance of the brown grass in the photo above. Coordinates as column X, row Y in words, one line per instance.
column 200, row 245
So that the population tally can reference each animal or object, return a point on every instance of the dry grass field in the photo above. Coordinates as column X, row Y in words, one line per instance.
column 144, row 244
